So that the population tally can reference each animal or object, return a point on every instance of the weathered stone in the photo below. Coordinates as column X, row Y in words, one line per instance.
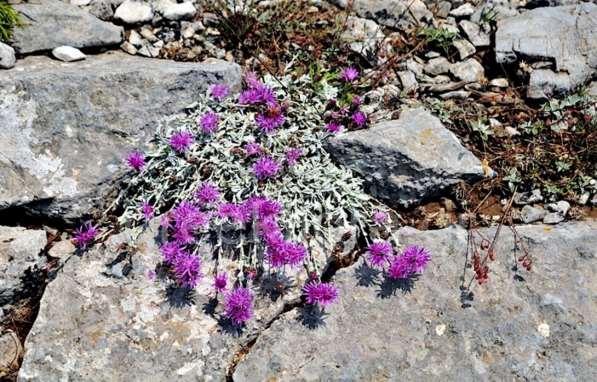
column 7, row 56
column 68, row 126
column 560, row 207
column 553, row 218
column 438, row 65
column 68, row 54
column 408, row 80
column 171, row 10
column 474, row 33
column 102, row 9
column 564, row 35
column 406, row 160
column 522, row 198
column 392, row 13
column 530, row 214
column 499, row 82
column 538, row 325
column 51, row 23
column 363, row 35
column 105, row 315
column 134, row 12
column 19, row 261
column 456, row 94
column 465, row 9
column 465, row 49
column 11, row 352
column 470, row 70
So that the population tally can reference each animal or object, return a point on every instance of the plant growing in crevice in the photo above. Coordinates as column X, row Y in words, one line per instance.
column 9, row 19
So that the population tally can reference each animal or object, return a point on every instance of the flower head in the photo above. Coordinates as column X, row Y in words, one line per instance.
column 379, row 252
column 359, row 118
column 263, row 207
column 266, row 167
column 209, row 122
column 271, row 119
column 220, row 282
column 147, row 210
column 219, row 91
column 399, row 269
column 334, row 127
column 380, row 217
column 188, row 218
column 136, row 160
column 349, row 74
column 208, row 193
column 237, row 213
column 257, row 94
column 320, row 293
column 170, row 251
column 181, row 141
column 252, row 149
column 85, row 235
column 417, row 257
column 280, row 253
column 293, row 155
column 238, row 305
column 187, row 269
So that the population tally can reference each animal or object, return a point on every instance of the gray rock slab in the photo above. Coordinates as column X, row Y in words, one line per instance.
column 564, row 35
column 19, row 258
column 406, row 160
column 7, row 56
column 539, row 328
column 51, row 23
column 392, row 13
column 69, row 126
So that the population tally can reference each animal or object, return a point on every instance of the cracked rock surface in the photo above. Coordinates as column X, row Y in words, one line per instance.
column 67, row 127
column 540, row 327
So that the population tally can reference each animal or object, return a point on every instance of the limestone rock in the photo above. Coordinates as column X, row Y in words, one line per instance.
column 68, row 127
column 474, row 33
column 19, row 261
column 438, row 65
column 392, row 13
column 7, row 56
column 172, row 10
column 52, row 23
column 406, row 160
column 465, row 49
column 530, row 214
column 470, row 70
column 68, row 54
column 134, row 12
column 378, row 331
column 363, row 35
column 564, row 35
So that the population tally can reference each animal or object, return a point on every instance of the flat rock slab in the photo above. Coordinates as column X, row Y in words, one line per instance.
column 20, row 258
column 67, row 127
column 539, row 328
column 564, row 35
column 392, row 13
column 406, row 160
column 51, row 23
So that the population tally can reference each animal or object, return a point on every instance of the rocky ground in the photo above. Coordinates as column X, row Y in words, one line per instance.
column 482, row 134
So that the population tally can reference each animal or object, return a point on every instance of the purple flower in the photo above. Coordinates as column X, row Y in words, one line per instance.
column 181, row 141
column 208, row 193
column 320, row 293
column 238, row 213
column 170, row 251
column 136, row 160
column 359, row 118
column 334, row 127
column 263, row 207
column 252, row 148
column 293, row 155
column 220, row 282
column 187, row 269
column 417, row 257
column 349, row 74
column 265, row 167
column 238, row 305
column 85, row 235
column 209, row 122
column 280, row 253
column 270, row 120
column 187, row 220
column 219, row 92
column 357, row 101
column 399, row 269
column 380, row 217
column 270, row 231
column 379, row 252
column 257, row 94
column 147, row 210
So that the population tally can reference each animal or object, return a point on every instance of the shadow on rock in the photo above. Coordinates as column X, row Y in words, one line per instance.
column 312, row 316
column 179, row 297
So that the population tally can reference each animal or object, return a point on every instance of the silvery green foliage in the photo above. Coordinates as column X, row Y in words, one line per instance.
column 316, row 194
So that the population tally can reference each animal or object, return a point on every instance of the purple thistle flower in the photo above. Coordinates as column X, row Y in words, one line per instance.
column 270, row 231
column 252, row 148
column 349, row 74
column 417, row 257
column 399, row 269
column 136, row 160
column 209, row 122
column 220, row 282
column 181, row 141
column 379, row 252
column 270, row 120
column 258, row 94
column 85, row 235
column 320, row 293
column 263, row 207
column 357, row 101
column 265, row 167
column 187, row 270
column 219, row 92
column 295, row 254
column 188, row 219
column 147, row 210
column 238, row 213
column 334, row 127
column 170, row 251
column 359, row 118
column 238, row 305
column 208, row 193
column 293, row 155
column 380, row 217
column 280, row 253
column 251, row 80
